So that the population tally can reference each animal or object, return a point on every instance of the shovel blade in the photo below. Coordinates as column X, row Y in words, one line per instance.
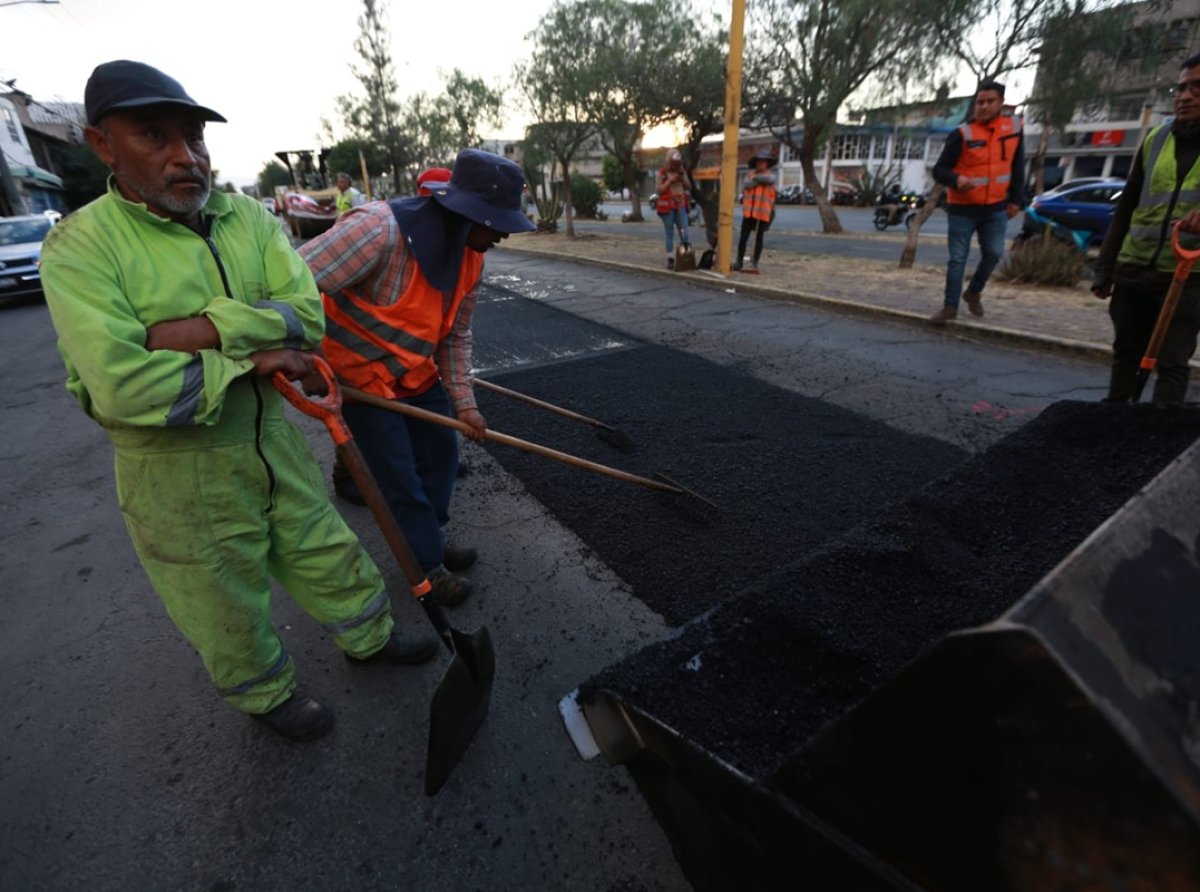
column 460, row 704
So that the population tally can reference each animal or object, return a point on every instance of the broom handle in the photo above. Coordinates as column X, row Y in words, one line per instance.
column 497, row 437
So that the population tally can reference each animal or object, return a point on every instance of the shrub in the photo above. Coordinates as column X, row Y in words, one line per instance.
column 585, row 196
column 1043, row 260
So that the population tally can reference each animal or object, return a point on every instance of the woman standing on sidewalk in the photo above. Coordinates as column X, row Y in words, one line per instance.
column 674, row 188
column 758, row 206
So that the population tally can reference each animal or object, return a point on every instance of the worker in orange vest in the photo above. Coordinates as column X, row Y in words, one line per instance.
column 758, row 207
column 983, row 168
column 399, row 281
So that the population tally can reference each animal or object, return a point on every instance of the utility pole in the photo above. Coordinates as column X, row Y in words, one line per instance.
column 729, row 144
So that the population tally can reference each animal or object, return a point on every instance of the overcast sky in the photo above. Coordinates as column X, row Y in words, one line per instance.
column 272, row 67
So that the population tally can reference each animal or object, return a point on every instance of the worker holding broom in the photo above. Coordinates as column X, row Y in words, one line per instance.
column 400, row 280
column 1136, row 263
column 174, row 307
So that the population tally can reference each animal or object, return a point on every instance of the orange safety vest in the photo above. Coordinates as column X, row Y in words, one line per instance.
column 987, row 156
column 757, row 203
column 389, row 351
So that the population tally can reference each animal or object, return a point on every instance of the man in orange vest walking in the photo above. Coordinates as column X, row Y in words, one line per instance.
column 399, row 281
column 983, row 168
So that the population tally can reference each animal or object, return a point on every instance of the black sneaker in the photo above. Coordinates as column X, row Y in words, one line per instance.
column 449, row 590
column 298, row 718
column 400, row 652
column 458, row 557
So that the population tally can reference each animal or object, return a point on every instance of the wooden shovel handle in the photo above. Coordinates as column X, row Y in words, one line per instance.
column 541, row 404
column 497, row 437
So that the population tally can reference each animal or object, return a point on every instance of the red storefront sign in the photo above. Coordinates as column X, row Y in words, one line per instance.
column 1107, row 137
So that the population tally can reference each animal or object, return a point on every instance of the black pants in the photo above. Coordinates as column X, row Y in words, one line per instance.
column 749, row 225
column 1134, row 311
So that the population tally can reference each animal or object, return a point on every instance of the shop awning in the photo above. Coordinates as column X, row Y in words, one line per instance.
column 38, row 175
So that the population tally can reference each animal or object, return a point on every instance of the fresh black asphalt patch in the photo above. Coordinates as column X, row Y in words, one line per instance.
column 786, row 472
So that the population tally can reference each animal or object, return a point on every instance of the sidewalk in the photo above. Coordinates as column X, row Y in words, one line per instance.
column 1069, row 319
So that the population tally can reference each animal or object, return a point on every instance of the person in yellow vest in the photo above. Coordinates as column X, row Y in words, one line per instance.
column 983, row 168
column 347, row 196
column 399, row 282
column 1136, row 264
column 758, row 207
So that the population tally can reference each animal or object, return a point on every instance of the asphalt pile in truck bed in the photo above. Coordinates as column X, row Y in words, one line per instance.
column 786, row 472
column 756, row 678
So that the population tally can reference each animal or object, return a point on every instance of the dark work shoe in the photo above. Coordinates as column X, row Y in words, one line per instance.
column 458, row 557
column 298, row 718
column 449, row 590
column 942, row 316
column 347, row 489
column 974, row 302
column 401, row 652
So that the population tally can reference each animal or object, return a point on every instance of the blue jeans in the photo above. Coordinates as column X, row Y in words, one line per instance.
column 415, row 463
column 677, row 217
column 991, row 229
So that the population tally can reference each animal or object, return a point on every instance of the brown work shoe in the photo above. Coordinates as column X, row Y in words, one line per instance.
column 449, row 590
column 942, row 316
column 298, row 718
column 974, row 302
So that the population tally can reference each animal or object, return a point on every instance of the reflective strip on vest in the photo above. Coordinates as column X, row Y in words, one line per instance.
column 757, row 203
column 183, row 410
column 988, row 167
column 388, row 351
column 1162, row 200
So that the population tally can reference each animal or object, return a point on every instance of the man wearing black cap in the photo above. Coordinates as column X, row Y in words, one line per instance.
column 400, row 281
column 172, row 304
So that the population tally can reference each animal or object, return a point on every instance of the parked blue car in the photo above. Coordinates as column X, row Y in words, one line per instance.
column 1078, row 212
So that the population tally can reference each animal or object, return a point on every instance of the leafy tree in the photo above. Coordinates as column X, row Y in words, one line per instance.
column 808, row 56
column 468, row 102
column 273, row 174
column 85, row 176
column 374, row 118
column 559, row 84
column 611, row 173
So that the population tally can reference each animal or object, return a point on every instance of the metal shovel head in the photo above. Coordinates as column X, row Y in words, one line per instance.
column 460, row 704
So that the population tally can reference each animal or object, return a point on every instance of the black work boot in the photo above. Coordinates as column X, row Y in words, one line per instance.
column 449, row 590
column 458, row 557
column 400, row 652
column 298, row 718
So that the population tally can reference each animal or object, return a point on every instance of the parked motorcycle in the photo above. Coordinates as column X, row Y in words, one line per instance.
column 892, row 210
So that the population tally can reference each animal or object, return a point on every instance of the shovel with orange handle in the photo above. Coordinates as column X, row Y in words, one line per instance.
column 1184, row 260
column 461, row 699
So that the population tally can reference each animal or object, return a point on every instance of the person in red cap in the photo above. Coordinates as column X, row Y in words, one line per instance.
column 431, row 177
column 400, row 280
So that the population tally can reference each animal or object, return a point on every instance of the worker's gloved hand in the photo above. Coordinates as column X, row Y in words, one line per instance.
column 477, row 422
column 1103, row 289
column 1190, row 222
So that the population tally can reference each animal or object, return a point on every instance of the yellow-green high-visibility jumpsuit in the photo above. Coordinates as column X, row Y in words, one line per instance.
column 219, row 491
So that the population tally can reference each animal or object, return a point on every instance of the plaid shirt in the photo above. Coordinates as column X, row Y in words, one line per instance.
column 365, row 252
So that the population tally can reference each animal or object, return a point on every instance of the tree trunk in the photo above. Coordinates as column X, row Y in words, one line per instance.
column 568, row 210
column 633, row 184
column 829, row 219
column 909, row 254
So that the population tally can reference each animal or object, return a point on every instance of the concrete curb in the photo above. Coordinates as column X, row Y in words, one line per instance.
column 965, row 328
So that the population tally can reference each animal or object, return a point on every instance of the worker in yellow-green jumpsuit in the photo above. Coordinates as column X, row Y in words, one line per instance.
column 174, row 305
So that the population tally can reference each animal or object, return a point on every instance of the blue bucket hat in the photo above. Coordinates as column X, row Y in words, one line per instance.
column 125, row 84
column 486, row 189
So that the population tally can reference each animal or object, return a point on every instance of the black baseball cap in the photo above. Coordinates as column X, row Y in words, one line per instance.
column 125, row 84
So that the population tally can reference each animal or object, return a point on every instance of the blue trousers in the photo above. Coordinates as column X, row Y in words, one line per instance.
column 677, row 217
column 415, row 463
column 991, row 230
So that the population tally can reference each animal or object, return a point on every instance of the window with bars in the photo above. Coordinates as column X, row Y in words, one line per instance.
column 852, row 146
